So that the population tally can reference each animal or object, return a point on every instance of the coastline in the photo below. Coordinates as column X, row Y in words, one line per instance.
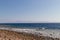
column 54, row 33
column 12, row 35
column 32, row 33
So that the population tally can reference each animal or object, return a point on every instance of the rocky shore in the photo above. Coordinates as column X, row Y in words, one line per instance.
column 12, row 35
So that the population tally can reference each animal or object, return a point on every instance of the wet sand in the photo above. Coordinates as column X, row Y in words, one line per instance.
column 12, row 35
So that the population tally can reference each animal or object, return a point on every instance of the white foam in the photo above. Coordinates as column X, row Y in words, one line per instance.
column 47, row 32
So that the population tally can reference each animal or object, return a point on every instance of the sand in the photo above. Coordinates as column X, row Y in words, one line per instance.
column 12, row 35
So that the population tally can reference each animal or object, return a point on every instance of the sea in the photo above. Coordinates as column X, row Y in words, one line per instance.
column 32, row 25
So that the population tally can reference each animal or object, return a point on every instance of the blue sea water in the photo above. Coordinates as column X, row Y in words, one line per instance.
column 32, row 25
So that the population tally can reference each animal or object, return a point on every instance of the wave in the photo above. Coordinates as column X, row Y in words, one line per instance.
column 55, row 33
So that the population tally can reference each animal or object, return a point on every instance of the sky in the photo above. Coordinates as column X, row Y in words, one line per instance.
column 26, row 11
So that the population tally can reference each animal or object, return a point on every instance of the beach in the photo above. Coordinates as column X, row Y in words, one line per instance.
column 27, row 34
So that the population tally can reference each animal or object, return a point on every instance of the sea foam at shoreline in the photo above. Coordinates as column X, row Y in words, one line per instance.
column 55, row 33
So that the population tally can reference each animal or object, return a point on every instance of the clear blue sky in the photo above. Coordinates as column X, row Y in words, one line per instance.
column 29, row 11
